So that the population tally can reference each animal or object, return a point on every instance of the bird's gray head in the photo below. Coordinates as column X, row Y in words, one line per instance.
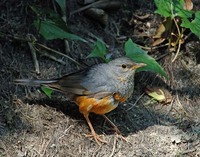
column 124, row 67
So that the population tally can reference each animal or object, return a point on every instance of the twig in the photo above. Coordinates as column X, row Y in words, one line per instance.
column 114, row 147
column 187, row 36
column 117, row 29
column 95, row 152
column 64, row 133
column 54, row 6
column 178, row 40
column 178, row 101
column 43, row 46
column 162, row 56
column 135, row 102
column 64, row 17
column 188, row 151
column 153, row 48
column 44, row 146
column 177, row 52
column 142, row 17
column 171, row 104
column 179, row 32
column 14, row 37
column 88, row 6
column 67, row 49
column 47, row 48
column 33, row 52
column 46, row 54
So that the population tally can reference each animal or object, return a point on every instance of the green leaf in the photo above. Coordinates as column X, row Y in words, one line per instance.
column 172, row 8
column 99, row 50
column 47, row 91
column 46, row 13
column 50, row 30
column 157, row 97
column 138, row 55
column 163, row 7
column 194, row 25
column 51, row 25
column 62, row 4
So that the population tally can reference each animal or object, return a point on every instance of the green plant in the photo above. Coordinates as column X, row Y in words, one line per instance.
column 99, row 50
column 137, row 54
column 175, row 9
column 178, row 17
column 52, row 26
column 47, row 91
column 132, row 51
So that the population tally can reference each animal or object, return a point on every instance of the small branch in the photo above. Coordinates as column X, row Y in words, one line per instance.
column 181, row 106
column 187, row 36
column 180, row 34
column 135, row 102
column 162, row 56
column 88, row 6
column 189, row 151
column 177, row 52
column 33, row 52
column 178, row 29
column 36, row 43
column 46, row 54
column 152, row 48
column 49, row 49
column 114, row 147
column 14, row 37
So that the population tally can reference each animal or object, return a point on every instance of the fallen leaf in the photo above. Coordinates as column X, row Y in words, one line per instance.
column 159, row 94
column 188, row 5
column 164, row 31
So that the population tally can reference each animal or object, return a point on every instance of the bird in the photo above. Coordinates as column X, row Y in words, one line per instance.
column 96, row 89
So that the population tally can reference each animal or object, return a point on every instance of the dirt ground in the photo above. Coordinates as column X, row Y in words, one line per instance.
column 33, row 125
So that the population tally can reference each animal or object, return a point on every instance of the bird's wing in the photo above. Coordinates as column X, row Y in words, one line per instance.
column 69, row 84
column 89, row 82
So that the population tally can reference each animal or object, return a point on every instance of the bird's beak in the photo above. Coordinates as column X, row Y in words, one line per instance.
column 138, row 65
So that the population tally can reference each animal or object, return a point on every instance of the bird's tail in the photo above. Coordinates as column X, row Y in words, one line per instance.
column 29, row 82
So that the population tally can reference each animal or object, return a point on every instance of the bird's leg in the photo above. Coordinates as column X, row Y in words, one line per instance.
column 114, row 127
column 112, row 124
column 93, row 133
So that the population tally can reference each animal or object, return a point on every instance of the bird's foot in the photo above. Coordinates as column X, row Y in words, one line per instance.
column 97, row 138
column 116, row 130
column 120, row 136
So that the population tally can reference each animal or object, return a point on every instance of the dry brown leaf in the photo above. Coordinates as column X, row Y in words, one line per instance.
column 188, row 5
column 164, row 31
column 161, row 29
column 144, row 17
column 98, row 15
column 158, row 41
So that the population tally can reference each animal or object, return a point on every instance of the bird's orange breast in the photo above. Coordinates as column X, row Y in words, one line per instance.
column 98, row 106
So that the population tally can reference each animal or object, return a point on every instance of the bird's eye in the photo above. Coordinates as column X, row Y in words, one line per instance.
column 124, row 66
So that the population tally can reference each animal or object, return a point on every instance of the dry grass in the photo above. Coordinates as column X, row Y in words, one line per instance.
column 33, row 125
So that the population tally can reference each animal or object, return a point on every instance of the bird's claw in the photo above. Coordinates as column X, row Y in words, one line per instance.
column 97, row 138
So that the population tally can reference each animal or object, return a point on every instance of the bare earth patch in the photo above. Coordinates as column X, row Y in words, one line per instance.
column 33, row 125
